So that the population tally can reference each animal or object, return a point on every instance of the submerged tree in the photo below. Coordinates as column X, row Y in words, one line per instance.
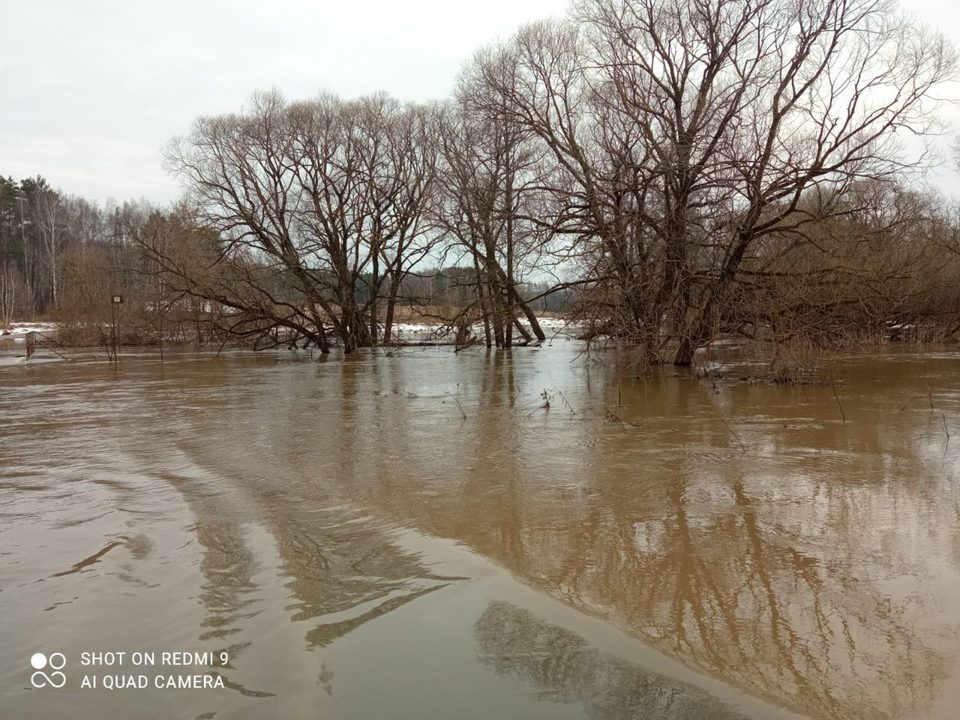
column 489, row 190
column 688, row 133
column 318, row 207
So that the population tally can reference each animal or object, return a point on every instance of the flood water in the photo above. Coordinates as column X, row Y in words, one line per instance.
column 414, row 535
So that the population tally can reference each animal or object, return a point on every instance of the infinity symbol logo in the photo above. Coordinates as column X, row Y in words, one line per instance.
column 55, row 662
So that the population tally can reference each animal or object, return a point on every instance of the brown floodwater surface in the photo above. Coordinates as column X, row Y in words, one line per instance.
column 535, row 534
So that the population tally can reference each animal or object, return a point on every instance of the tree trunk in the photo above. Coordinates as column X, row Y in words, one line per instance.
column 684, row 356
column 391, row 308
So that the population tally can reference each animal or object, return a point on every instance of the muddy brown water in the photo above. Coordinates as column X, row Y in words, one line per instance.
column 413, row 535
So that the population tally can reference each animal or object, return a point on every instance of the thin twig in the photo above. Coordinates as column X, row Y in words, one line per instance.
column 51, row 340
column 734, row 433
column 833, row 386
column 613, row 417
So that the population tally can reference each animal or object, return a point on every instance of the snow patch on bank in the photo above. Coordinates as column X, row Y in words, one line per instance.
column 435, row 331
column 18, row 330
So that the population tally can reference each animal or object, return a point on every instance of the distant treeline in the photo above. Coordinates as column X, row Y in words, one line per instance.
column 58, row 251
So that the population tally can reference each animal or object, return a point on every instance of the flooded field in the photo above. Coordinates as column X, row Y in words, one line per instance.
column 416, row 534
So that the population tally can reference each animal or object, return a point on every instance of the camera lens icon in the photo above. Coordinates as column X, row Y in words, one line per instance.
column 56, row 662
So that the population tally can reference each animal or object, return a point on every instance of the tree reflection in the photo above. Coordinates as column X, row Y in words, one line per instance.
column 731, row 595
column 794, row 571
column 817, row 570
column 563, row 667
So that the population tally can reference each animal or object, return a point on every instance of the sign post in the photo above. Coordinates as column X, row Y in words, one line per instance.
column 116, row 302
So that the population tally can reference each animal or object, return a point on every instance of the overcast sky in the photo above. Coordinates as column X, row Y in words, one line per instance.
column 91, row 90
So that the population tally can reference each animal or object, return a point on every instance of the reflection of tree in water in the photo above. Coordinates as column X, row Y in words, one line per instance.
column 339, row 568
column 343, row 571
column 810, row 579
column 229, row 593
column 345, row 575
column 798, row 571
column 563, row 667
column 777, row 587
column 723, row 589
column 228, row 567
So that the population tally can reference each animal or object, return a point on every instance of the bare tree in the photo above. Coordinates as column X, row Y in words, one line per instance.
column 13, row 292
column 687, row 133
column 49, row 217
column 317, row 207
column 490, row 191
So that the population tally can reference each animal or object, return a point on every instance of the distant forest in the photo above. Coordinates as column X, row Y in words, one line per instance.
column 667, row 172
